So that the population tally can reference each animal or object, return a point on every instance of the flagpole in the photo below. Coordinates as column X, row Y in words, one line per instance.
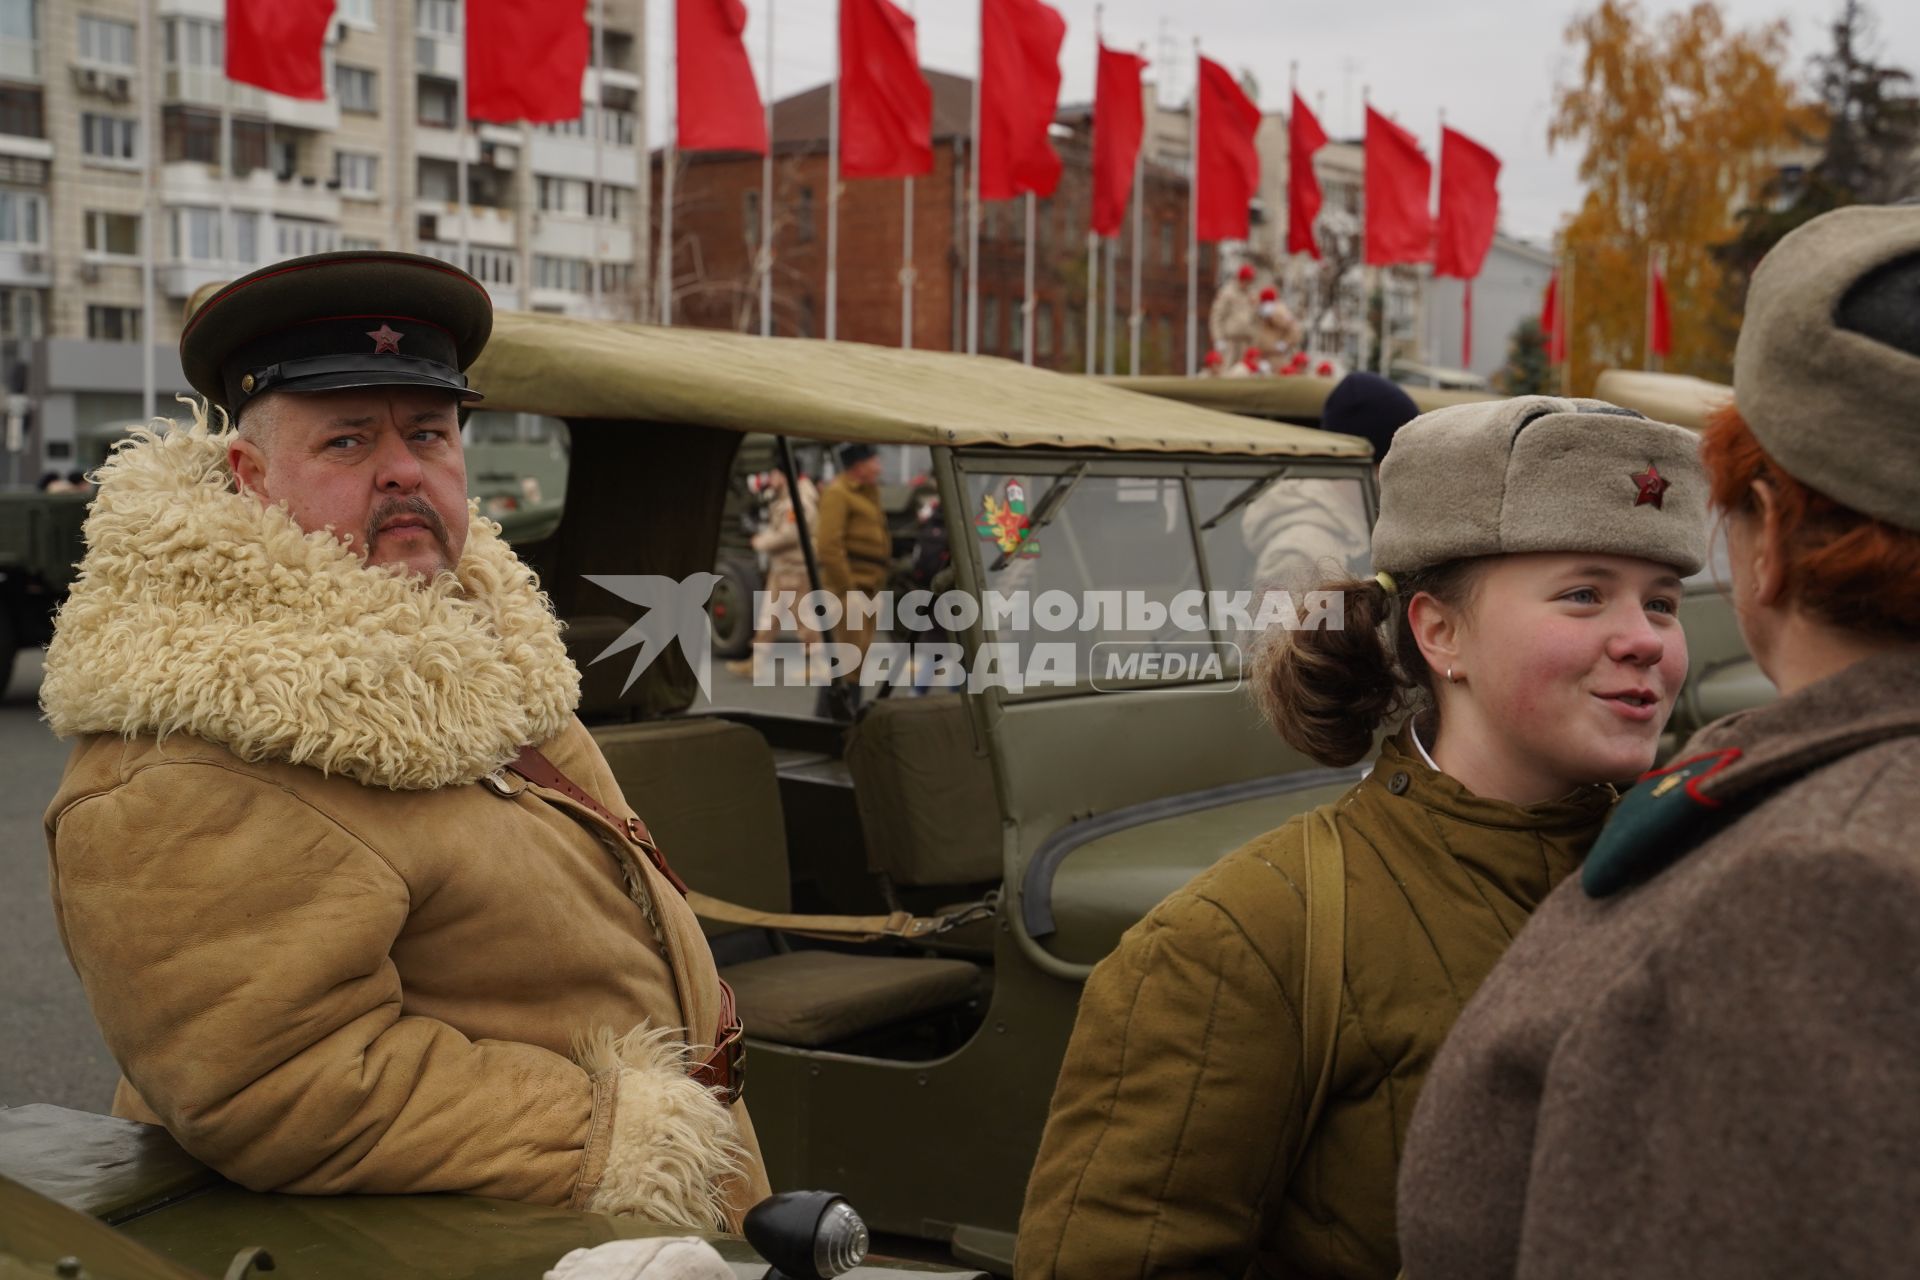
column 766, row 196
column 669, row 157
column 1112, row 316
column 459, row 144
column 1026, row 307
column 906, row 264
column 833, row 195
column 1286, row 248
column 1374, row 286
column 1566, row 325
column 226, row 170
column 1193, row 219
column 149, row 222
column 597, row 198
column 1646, row 359
column 1093, row 237
column 973, row 196
column 1134, row 316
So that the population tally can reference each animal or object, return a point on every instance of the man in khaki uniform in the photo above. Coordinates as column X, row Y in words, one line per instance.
column 855, row 548
column 343, row 922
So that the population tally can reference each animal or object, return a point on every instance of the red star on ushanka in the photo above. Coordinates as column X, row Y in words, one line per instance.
column 1653, row 486
column 386, row 341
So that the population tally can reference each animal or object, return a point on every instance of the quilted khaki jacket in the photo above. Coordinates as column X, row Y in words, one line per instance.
column 327, row 957
column 855, row 547
column 1180, row 1105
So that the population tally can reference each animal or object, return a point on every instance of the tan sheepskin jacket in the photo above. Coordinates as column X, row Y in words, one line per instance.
column 326, row 955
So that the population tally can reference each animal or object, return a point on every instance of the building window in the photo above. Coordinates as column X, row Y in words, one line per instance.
column 113, row 324
column 357, row 172
column 437, row 17
column 437, row 181
column 246, row 237
column 616, row 204
column 803, row 216
column 194, row 234
column 356, row 13
column 105, row 42
column 561, row 195
column 104, row 137
column 20, row 314
column 1043, row 332
column 20, row 113
column 1166, row 244
column 190, row 134
column 990, row 323
column 1071, row 337
column 436, row 109
column 113, row 235
column 297, row 237
column 196, row 42
column 750, row 218
column 356, row 88
column 249, row 146
column 569, row 274
column 20, row 39
column 359, row 243
column 23, row 219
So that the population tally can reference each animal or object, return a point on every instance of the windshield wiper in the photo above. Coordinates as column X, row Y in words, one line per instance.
column 1051, row 501
column 1245, row 496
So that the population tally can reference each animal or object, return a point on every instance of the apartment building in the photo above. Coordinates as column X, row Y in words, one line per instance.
column 116, row 118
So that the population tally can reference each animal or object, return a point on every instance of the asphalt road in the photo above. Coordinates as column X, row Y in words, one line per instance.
column 49, row 1050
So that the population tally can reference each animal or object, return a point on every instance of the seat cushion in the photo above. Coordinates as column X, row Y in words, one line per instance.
column 925, row 794
column 815, row 998
column 708, row 791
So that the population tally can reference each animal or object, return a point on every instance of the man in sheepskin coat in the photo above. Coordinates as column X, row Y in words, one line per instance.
column 335, row 939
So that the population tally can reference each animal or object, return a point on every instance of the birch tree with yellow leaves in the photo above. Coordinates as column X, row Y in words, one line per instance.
column 1683, row 121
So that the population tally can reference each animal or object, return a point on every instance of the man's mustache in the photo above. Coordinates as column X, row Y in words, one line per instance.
column 406, row 507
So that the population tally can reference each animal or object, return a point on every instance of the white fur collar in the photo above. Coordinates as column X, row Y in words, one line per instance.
column 199, row 611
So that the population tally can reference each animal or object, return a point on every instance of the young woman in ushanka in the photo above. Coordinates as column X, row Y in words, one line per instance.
column 1244, row 1064
column 1703, row 1058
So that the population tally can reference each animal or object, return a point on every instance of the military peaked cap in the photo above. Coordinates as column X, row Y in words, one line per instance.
column 332, row 321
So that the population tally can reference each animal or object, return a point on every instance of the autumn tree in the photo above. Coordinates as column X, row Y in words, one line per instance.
column 1871, row 152
column 1681, row 121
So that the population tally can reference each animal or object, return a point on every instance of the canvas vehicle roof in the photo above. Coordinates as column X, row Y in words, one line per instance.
column 1291, row 399
column 1667, row 397
column 576, row 369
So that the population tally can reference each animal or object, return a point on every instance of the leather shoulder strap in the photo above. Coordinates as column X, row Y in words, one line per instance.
column 1324, row 973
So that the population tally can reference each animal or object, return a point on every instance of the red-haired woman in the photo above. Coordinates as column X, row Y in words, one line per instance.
column 1702, row 1057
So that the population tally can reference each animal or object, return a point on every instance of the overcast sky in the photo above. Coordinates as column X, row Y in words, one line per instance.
column 1490, row 64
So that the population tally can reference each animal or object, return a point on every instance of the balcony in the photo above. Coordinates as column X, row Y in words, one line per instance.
column 433, row 143
column 26, row 266
column 562, row 235
column 208, row 87
column 438, row 55
column 193, row 182
column 497, row 269
column 19, row 59
column 562, row 152
column 181, row 279
column 485, row 227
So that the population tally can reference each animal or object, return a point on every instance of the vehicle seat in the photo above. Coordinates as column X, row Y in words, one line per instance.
column 708, row 791
column 927, row 805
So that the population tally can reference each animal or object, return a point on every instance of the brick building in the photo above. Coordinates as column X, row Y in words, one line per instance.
column 717, row 219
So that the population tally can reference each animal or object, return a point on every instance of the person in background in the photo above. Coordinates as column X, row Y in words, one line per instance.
column 1275, row 331
column 779, row 541
column 1702, row 1058
column 854, row 546
column 1204, row 1125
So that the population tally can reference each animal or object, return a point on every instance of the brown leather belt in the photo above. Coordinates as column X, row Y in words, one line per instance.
column 725, row 1070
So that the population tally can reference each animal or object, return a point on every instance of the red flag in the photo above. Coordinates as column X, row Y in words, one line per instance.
column 1019, row 91
column 525, row 61
column 1304, row 137
column 1399, row 225
column 886, row 108
column 1659, row 332
column 1118, row 125
column 275, row 45
column 1229, row 168
column 1469, row 205
column 1550, row 327
column 719, row 103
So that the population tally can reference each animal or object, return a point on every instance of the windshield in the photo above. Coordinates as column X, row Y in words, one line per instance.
column 1122, row 549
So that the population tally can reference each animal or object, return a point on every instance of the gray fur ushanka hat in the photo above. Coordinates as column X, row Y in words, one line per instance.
column 1539, row 473
column 1827, row 371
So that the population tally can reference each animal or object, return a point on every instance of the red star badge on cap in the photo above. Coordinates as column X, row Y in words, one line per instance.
column 1653, row 486
column 386, row 341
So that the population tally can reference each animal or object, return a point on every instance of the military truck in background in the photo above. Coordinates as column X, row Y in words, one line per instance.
column 40, row 544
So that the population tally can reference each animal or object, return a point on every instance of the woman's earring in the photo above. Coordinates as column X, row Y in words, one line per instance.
column 1450, row 679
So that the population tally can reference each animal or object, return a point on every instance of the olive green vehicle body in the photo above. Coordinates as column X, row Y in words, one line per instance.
column 126, row 1203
